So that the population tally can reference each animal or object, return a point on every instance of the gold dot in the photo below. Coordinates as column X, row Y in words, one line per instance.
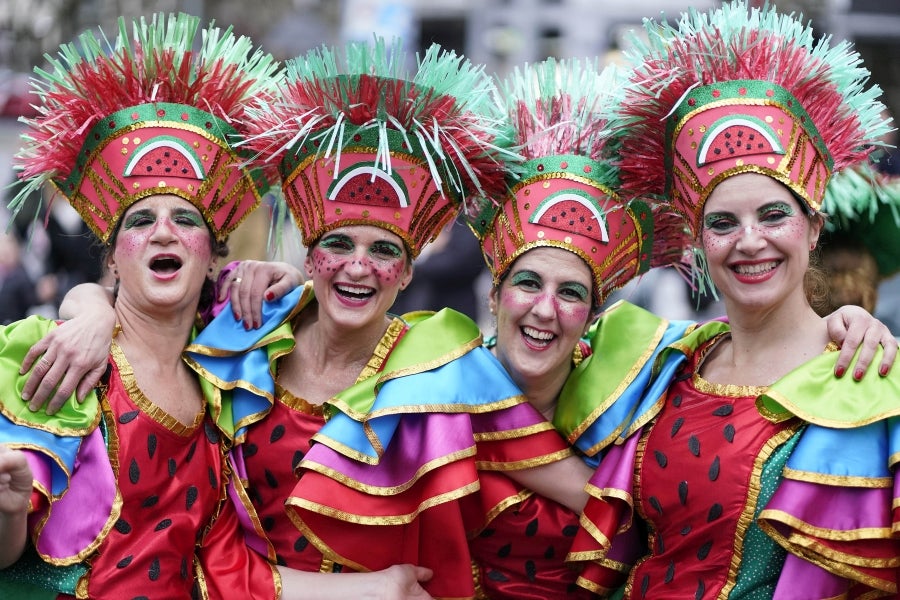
column 161, row 184
column 739, row 162
column 690, row 131
column 125, row 141
column 196, row 144
column 567, row 239
column 136, row 185
column 204, row 158
column 527, row 192
column 770, row 160
column 527, row 206
column 693, row 145
column 397, row 214
column 124, row 151
column 337, row 211
column 545, row 184
column 703, row 129
column 137, row 141
column 540, row 235
column 190, row 187
column 769, row 119
column 593, row 249
column 781, row 133
column 365, row 214
column 711, row 171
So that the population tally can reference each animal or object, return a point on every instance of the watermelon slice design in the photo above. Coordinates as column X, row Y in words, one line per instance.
column 735, row 137
column 571, row 212
column 369, row 185
column 164, row 157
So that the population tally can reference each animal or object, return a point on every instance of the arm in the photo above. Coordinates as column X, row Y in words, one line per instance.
column 15, row 494
column 855, row 329
column 251, row 281
column 562, row 481
column 394, row 583
column 73, row 354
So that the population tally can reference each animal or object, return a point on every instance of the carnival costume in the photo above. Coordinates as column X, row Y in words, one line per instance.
column 782, row 491
column 564, row 196
column 391, row 475
column 127, row 500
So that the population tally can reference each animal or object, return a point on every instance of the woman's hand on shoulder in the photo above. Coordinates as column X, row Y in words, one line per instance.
column 251, row 282
column 855, row 329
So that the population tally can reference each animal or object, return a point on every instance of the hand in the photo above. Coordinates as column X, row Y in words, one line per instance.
column 70, row 358
column 15, row 482
column 854, row 328
column 251, row 282
column 404, row 582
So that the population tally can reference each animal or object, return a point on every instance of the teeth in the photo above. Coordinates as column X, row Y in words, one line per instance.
column 358, row 290
column 755, row 269
column 545, row 336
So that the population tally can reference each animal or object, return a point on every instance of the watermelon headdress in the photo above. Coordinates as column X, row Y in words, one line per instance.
column 147, row 115
column 740, row 90
column 361, row 141
column 564, row 194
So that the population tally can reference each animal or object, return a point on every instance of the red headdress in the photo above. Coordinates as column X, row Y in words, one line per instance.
column 565, row 193
column 147, row 116
column 739, row 90
column 363, row 142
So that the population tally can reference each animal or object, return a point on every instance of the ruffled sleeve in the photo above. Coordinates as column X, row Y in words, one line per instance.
column 397, row 467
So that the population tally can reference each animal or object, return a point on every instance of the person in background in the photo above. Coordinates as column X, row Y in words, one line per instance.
column 17, row 290
column 758, row 473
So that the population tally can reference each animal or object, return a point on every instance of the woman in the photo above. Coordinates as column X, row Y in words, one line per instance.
column 757, row 473
column 132, row 489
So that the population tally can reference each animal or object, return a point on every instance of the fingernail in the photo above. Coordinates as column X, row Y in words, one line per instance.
column 26, row 396
column 858, row 374
column 269, row 296
column 255, row 325
column 839, row 372
column 883, row 370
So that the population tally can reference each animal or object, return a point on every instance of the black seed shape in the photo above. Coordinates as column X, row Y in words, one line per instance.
column 190, row 453
column 141, row 598
column 694, row 445
column 685, row 530
column 279, row 560
column 183, row 570
column 164, row 524
column 128, row 417
column 676, row 401
column 676, row 426
column 570, row 530
column 134, row 472
column 497, row 576
column 489, row 532
column 728, row 431
column 268, row 523
column 212, row 434
column 682, row 492
column 153, row 572
column 715, row 511
column 122, row 526
column 660, row 545
column 532, row 528
column 723, row 411
column 504, row 550
column 550, row 552
column 670, row 572
column 249, row 450
column 714, row 469
column 277, row 433
column 190, row 497
column 151, row 445
column 150, row 501
column 661, row 459
column 645, row 585
column 530, row 570
column 295, row 462
column 213, row 478
column 703, row 552
column 301, row 544
column 270, row 479
column 654, row 502
column 125, row 562
column 173, row 467
column 701, row 589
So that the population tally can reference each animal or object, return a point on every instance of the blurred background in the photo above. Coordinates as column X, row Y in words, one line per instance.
column 41, row 258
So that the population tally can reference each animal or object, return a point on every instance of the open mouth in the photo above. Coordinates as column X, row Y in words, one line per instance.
column 536, row 337
column 165, row 265
column 354, row 292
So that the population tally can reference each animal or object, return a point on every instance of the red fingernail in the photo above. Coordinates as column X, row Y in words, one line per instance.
column 839, row 372
column 883, row 370
column 255, row 325
column 858, row 374
column 269, row 296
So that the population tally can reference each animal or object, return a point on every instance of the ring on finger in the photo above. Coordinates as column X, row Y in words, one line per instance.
column 236, row 280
